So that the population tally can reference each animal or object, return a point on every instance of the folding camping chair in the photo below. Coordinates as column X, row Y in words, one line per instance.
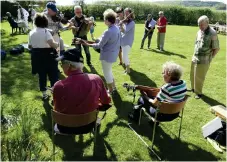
column 164, row 108
column 74, row 121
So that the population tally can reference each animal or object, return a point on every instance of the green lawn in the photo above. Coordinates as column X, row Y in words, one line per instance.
column 116, row 141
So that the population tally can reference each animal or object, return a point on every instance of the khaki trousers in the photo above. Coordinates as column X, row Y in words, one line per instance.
column 160, row 40
column 197, row 76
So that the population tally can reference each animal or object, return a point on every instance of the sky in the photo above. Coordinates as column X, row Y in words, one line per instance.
column 70, row 2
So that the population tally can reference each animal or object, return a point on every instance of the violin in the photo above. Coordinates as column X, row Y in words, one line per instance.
column 127, row 19
column 58, row 18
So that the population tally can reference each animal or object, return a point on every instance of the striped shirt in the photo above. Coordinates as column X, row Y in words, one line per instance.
column 172, row 92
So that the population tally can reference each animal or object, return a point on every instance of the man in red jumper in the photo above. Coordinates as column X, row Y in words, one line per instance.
column 161, row 25
column 79, row 93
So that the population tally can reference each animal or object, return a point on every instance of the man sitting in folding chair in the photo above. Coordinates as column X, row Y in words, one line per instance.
column 79, row 93
column 173, row 91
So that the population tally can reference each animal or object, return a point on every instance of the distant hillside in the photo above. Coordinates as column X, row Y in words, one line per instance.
column 215, row 5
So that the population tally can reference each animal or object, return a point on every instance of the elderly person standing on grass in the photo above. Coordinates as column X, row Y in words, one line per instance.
column 161, row 25
column 80, row 28
column 43, row 53
column 206, row 48
column 109, row 45
column 149, row 29
column 127, row 29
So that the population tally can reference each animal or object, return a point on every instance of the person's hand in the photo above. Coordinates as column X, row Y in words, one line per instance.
column 213, row 55
column 74, row 28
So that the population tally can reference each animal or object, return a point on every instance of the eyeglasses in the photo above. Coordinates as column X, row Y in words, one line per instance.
column 78, row 12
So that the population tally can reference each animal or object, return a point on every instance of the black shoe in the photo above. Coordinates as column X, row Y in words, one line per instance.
column 198, row 96
column 190, row 90
column 141, row 47
column 132, row 117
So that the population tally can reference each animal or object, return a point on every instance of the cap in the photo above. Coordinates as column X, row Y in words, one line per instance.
column 73, row 55
column 52, row 6
column 119, row 10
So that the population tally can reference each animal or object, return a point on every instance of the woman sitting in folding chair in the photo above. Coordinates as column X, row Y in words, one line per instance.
column 173, row 91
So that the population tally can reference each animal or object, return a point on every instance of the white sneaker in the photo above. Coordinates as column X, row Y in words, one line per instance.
column 56, row 130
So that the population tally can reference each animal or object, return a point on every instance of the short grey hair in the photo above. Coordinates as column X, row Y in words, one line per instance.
column 174, row 70
column 76, row 65
column 203, row 18
column 109, row 12
column 161, row 13
column 77, row 7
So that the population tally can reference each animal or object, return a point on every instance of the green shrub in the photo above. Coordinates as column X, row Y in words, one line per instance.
column 20, row 142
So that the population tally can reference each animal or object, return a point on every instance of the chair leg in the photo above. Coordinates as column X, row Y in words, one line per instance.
column 53, row 153
column 181, row 123
column 151, row 149
column 141, row 110
column 154, row 129
column 95, row 134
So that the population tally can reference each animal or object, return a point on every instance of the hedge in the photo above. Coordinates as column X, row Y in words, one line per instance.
column 175, row 14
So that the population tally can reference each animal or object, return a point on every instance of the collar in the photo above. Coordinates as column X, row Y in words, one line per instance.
column 75, row 72
column 176, row 83
column 111, row 25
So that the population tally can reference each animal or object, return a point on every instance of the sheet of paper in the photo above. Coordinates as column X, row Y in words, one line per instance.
column 211, row 127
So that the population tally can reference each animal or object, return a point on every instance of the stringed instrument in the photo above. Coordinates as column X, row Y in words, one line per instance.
column 125, row 20
column 151, row 91
column 82, row 41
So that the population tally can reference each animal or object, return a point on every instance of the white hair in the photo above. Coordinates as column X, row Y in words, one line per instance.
column 109, row 12
column 92, row 18
column 76, row 65
column 203, row 18
column 77, row 7
column 161, row 12
column 174, row 70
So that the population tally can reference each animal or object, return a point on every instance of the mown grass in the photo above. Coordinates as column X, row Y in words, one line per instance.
column 116, row 141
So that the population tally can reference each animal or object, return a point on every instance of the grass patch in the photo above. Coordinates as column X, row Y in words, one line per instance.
column 116, row 141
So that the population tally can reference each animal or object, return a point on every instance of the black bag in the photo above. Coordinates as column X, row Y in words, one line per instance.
column 220, row 135
column 17, row 50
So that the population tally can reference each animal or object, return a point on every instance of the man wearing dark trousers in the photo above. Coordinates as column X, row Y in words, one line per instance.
column 149, row 29
column 80, row 28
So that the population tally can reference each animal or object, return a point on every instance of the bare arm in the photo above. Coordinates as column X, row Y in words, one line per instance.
column 153, row 102
column 52, row 43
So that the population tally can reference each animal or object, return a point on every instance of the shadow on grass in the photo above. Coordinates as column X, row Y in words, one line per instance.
column 7, row 41
column 93, row 71
column 141, row 79
column 74, row 150
column 173, row 149
column 168, row 53
column 211, row 101
column 17, row 76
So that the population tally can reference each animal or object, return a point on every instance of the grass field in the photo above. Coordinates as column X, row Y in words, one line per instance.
column 116, row 141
